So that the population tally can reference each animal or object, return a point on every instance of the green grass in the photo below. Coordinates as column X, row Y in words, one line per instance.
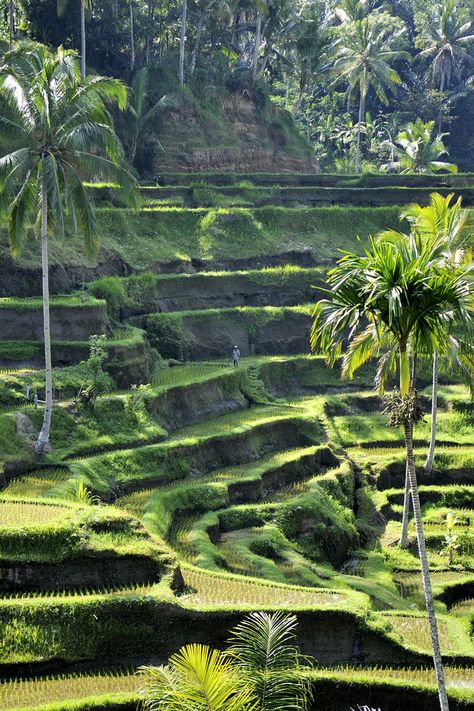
column 34, row 693
column 364, row 430
column 414, row 631
column 45, row 533
column 56, row 302
column 141, row 238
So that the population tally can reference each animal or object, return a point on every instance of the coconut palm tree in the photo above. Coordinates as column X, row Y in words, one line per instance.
column 139, row 111
column 447, row 34
column 59, row 133
column 84, row 5
column 259, row 672
column 395, row 293
column 365, row 52
column 418, row 150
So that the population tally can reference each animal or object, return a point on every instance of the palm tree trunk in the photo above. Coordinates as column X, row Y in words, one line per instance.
column 428, row 465
column 42, row 444
column 197, row 42
column 11, row 22
column 182, row 41
column 403, row 542
column 149, row 36
column 359, row 127
column 258, row 39
column 425, row 571
column 83, row 39
column 440, row 115
column 132, row 39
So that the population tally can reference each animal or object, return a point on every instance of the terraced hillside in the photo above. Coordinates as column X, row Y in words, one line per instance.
column 165, row 512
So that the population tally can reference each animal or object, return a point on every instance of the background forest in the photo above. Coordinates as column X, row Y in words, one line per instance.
column 352, row 73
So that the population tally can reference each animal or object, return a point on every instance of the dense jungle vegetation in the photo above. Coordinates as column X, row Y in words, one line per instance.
column 351, row 72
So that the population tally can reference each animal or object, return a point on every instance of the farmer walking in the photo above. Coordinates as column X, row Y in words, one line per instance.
column 236, row 356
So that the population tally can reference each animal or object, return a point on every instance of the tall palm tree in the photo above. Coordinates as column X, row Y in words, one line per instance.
column 364, row 54
column 395, row 293
column 60, row 133
column 448, row 223
column 260, row 9
column 448, row 32
column 311, row 47
column 182, row 41
column 11, row 23
column 418, row 150
column 84, row 5
column 132, row 36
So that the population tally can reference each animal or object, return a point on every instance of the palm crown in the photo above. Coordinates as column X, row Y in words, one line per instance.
column 395, row 294
column 364, row 55
column 449, row 32
column 59, row 132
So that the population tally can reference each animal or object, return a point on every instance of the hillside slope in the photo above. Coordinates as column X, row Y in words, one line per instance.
column 227, row 128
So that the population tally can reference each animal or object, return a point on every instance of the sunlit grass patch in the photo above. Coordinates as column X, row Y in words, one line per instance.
column 214, row 589
column 414, row 631
column 16, row 513
column 33, row 693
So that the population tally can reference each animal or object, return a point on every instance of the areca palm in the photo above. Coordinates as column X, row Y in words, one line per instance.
column 395, row 294
column 449, row 224
column 364, row 54
column 197, row 678
column 259, row 672
column 446, row 225
column 59, row 133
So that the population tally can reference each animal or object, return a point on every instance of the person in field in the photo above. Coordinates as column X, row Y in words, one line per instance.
column 236, row 356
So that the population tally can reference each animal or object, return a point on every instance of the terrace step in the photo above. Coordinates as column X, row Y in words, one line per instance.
column 383, row 686
column 128, row 360
column 72, row 318
column 130, row 470
column 277, row 286
column 244, row 483
column 297, row 196
column 312, row 179
column 198, row 335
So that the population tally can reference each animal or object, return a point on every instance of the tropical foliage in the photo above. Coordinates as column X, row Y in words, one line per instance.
column 58, row 130
column 259, row 672
column 418, row 150
column 393, row 297
column 399, row 61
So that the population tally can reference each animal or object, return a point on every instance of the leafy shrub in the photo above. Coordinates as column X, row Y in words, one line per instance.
column 111, row 289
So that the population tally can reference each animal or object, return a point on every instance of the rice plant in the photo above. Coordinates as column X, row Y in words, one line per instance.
column 226, row 590
column 32, row 693
column 20, row 514
column 414, row 631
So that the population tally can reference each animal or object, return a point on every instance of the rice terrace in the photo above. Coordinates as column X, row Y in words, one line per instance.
column 236, row 355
